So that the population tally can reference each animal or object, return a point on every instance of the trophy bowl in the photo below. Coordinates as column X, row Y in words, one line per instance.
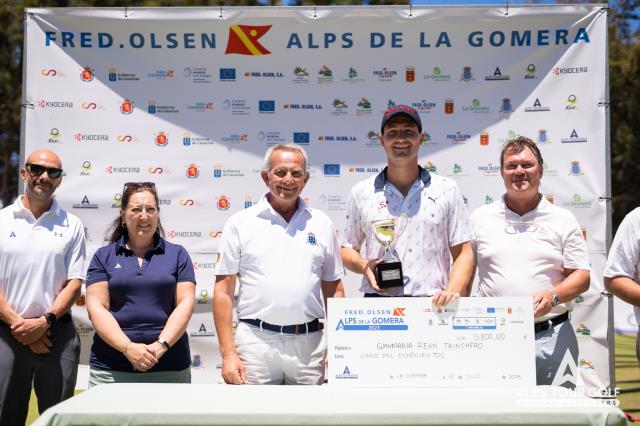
column 387, row 231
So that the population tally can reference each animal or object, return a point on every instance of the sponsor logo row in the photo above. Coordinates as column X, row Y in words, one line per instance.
column 271, row 137
column 322, row 75
column 338, row 107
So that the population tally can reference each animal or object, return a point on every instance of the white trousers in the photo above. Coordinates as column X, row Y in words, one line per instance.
column 273, row 358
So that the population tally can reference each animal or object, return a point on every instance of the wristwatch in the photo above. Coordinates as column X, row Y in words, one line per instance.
column 554, row 298
column 51, row 318
column 164, row 343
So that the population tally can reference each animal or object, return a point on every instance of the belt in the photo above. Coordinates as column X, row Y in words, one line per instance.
column 545, row 325
column 305, row 328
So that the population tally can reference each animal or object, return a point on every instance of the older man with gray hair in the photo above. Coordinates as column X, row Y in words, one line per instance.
column 286, row 258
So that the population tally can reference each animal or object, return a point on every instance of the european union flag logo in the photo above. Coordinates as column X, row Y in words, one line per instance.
column 301, row 138
column 228, row 74
column 266, row 106
column 332, row 169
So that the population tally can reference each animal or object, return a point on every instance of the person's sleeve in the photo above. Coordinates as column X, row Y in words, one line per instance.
column 458, row 227
column 574, row 250
column 75, row 256
column 353, row 235
column 228, row 251
column 97, row 270
column 332, row 269
column 624, row 254
column 185, row 270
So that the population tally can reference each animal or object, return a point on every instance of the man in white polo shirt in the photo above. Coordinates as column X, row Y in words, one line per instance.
column 286, row 258
column 526, row 246
column 622, row 273
column 434, row 248
column 42, row 251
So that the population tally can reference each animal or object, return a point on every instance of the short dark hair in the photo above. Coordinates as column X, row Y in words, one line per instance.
column 117, row 229
column 518, row 145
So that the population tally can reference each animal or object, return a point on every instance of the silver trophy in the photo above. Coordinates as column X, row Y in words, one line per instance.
column 387, row 231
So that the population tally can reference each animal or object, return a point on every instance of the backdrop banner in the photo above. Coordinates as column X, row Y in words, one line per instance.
column 190, row 98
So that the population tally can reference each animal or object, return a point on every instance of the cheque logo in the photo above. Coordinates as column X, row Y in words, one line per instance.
column 398, row 312
column 346, row 374
column 243, row 40
column 369, row 322
column 583, row 330
column 585, row 365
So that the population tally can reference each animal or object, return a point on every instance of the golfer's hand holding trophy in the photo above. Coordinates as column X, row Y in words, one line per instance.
column 387, row 231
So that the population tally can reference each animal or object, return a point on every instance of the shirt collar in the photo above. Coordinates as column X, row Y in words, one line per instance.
column 542, row 206
column 265, row 206
column 158, row 246
column 381, row 179
column 20, row 210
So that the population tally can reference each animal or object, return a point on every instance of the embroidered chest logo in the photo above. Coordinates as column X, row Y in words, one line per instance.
column 311, row 238
column 12, row 235
column 117, row 266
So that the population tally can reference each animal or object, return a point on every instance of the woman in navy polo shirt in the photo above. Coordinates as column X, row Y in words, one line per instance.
column 140, row 296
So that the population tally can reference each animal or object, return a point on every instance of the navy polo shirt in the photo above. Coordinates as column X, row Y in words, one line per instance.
column 141, row 298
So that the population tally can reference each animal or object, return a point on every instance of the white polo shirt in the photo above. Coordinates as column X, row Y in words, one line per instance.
column 37, row 257
column 522, row 255
column 437, row 220
column 624, row 255
column 279, row 264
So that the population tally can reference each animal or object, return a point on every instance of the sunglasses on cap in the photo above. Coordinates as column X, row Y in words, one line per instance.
column 37, row 170
column 139, row 185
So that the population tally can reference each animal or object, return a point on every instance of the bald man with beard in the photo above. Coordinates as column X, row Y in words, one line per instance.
column 42, row 252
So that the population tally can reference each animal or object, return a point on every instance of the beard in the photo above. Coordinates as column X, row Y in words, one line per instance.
column 39, row 191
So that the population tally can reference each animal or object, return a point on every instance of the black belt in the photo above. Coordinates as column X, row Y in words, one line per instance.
column 385, row 295
column 305, row 328
column 545, row 325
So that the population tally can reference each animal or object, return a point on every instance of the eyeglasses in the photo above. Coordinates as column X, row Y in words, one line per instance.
column 37, row 170
column 139, row 185
column 520, row 227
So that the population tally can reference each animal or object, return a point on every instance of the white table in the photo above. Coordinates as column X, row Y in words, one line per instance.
column 179, row 404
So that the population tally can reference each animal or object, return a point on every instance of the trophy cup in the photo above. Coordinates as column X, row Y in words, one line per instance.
column 387, row 231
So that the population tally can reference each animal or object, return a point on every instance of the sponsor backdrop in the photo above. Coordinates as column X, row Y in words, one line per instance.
column 191, row 98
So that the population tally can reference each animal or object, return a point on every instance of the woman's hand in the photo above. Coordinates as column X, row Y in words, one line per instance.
column 141, row 356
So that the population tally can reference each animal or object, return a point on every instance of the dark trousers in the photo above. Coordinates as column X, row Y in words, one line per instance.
column 53, row 375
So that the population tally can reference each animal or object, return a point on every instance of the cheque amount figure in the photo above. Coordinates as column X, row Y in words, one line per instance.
column 387, row 231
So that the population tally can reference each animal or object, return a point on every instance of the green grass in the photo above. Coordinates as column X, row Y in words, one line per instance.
column 627, row 375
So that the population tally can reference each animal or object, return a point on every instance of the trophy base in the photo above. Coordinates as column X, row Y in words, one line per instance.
column 389, row 275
